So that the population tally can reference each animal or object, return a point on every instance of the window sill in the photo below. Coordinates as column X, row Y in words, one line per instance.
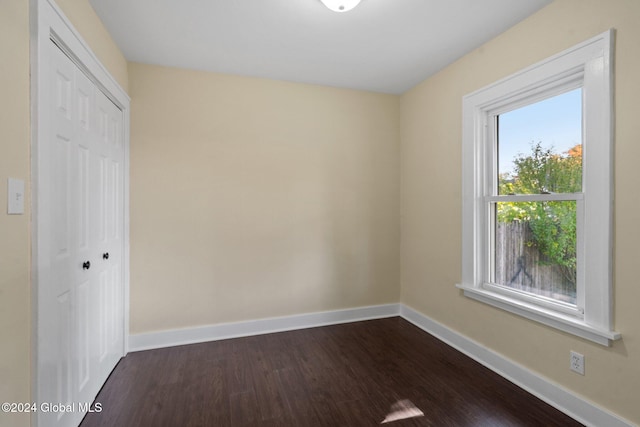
column 563, row 322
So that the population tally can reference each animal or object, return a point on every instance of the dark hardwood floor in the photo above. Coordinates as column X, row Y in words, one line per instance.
column 342, row 375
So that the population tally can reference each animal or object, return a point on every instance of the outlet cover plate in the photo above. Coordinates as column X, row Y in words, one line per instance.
column 577, row 362
column 15, row 196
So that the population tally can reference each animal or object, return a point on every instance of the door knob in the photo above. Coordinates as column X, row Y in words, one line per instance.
column 105, row 255
column 86, row 265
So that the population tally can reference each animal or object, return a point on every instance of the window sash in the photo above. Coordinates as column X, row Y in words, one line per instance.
column 554, row 197
column 576, row 309
column 489, row 167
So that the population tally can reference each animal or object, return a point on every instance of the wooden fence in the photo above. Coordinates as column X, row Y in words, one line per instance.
column 520, row 265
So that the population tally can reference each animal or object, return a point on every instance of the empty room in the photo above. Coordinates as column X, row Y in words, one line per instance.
column 319, row 213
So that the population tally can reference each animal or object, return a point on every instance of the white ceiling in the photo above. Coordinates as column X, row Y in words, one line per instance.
column 382, row 45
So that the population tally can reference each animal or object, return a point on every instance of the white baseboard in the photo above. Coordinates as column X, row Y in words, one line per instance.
column 555, row 395
column 222, row 331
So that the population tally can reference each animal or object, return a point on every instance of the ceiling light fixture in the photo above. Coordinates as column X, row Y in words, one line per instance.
column 340, row 5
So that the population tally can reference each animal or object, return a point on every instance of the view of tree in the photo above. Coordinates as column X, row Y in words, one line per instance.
column 553, row 224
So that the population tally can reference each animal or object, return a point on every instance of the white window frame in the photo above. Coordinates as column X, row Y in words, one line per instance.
column 587, row 65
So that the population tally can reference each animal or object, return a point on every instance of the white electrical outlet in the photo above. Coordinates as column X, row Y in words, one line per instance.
column 577, row 362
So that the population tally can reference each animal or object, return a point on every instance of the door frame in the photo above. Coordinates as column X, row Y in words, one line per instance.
column 48, row 23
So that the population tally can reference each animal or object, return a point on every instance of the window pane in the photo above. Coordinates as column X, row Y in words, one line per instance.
column 540, row 147
column 535, row 248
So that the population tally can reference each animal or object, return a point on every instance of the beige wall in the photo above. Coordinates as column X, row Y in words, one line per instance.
column 15, row 295
column 431, row 202
column 15, row 317
column 253, row 198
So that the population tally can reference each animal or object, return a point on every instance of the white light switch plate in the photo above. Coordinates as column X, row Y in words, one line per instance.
column 15, row 196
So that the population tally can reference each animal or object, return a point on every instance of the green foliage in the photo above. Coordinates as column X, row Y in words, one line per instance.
column 553, row 224
column 543, row 171
column 554, row 232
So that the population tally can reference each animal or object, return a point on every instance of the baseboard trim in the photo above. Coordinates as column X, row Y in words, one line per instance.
column 174, row 337
column 555, row 395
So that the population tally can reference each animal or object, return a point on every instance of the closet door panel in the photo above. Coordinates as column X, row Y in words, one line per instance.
column 80, row 241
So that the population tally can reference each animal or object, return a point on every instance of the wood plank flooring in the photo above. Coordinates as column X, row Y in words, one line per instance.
column 341, row 375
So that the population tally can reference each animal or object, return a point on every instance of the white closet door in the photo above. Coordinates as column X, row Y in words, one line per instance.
column 80, row 324
column 109, row 232
column 58, row 359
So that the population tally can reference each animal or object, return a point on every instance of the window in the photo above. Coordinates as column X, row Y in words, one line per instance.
column 537, row 192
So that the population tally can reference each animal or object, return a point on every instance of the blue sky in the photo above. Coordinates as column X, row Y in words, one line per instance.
column 556, row 122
